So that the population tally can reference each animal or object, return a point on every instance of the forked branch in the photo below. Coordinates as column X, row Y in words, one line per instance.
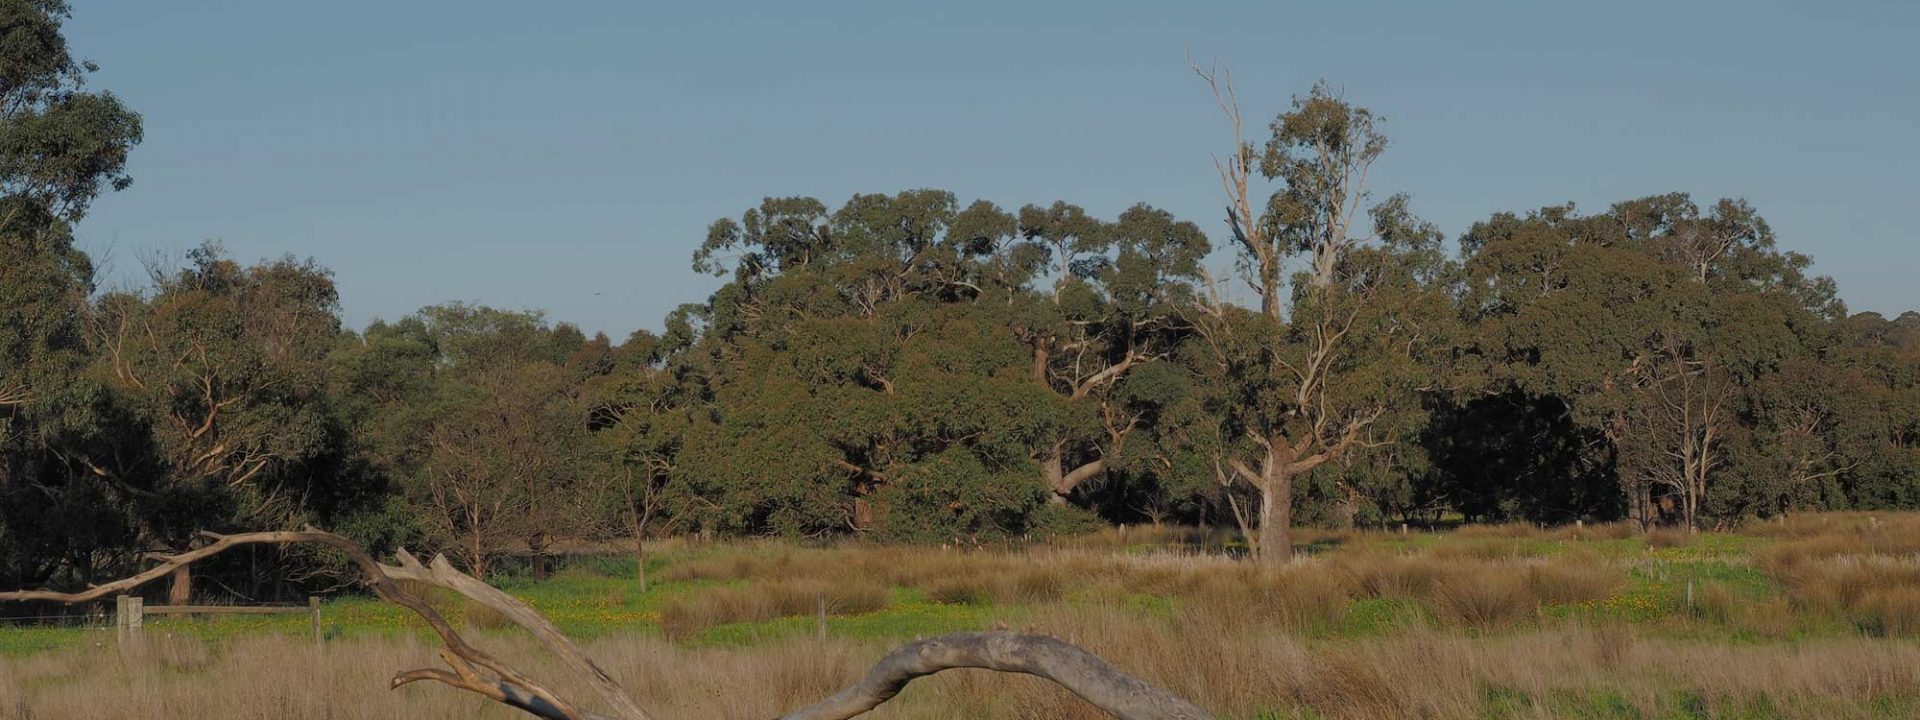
column 473, row 670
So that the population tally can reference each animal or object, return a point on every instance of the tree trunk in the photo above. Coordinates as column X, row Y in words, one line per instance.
column 638, row 529
column 477, row 557
column 181, row 590
column 1052, row 468
column 640, row 560
column 1349, row 509
column 1062, row 481
column 1276, row 514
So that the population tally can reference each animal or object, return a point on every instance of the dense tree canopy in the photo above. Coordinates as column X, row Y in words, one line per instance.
column 913, row 367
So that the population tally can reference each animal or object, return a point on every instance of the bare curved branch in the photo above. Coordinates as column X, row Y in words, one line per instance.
column 508, row 686
column 1086, row 675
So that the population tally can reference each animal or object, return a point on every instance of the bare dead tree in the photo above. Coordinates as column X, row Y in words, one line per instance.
column 474, row 670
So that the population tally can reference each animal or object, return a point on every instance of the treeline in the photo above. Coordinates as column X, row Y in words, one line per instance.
column 911, row 367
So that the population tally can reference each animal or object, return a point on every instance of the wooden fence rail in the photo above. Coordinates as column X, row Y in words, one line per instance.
column 130, row 613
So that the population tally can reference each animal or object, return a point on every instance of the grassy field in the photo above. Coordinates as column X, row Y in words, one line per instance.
column 1816, row 617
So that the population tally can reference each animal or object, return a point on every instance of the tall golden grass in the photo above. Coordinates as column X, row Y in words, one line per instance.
column 1219, row 660
column 1488, row 622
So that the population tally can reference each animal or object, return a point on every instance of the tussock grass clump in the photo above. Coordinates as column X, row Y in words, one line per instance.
column 1890, row 611
column 1293, row 598
column 178, row 653
column 1716, row 602
column 1572, row 582
column 1841, row 584
column 1483, row 598
column 1487, row 549
column 1386, row 576
column 969, row 589
column 1599, row 531
column 685, row 617
column 1663, row 538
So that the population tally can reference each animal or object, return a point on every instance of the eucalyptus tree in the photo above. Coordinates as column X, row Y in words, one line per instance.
column 1114, row 307
column 1653, row 324
column 651, row 399
column 56, row 517
column 61, row 146
column 1304, row 382
column 494, row 435
column 1874, row 425
column 863, row 374
column 219, row 378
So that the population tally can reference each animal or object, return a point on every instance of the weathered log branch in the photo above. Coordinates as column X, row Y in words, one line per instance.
column 471, row 665
column 1077, row 670
column 474, row 670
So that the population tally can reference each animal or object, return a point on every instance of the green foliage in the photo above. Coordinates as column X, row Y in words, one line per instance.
column 59, row 145
column 910, row 367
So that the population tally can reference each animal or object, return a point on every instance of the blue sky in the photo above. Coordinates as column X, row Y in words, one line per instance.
column 568, row 156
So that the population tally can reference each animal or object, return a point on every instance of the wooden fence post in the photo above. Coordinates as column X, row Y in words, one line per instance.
column 128, row 621
column 313, row 617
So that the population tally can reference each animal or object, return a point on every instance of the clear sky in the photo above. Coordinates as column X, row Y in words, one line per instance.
column 567, row 156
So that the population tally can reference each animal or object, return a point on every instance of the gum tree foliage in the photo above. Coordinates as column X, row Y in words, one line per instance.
column 480, row 415
column 910, row 367
column 927, row 370
column 650, row 397
column 1113, row 316
column 1338, row 365
column 60, row 147
column 860, row 386
column 1654, row 327
column 223, row 368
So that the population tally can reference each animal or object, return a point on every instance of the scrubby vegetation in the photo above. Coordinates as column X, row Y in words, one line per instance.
column 1810, row 617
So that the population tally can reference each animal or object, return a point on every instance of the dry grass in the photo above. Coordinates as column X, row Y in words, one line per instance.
column 1571, row 581
column 1389, row 576
column 685, row 617
column 1506, row 621
column 1483, row 600
column 1220, row 661
column 1668, row 538
column 1863, row 567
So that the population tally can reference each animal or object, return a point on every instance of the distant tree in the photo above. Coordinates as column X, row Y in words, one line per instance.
column 1654, row 325
column 1301, row 384
column 642, row 411
column 503, row 446
column 223, row 370
column 890, row 316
